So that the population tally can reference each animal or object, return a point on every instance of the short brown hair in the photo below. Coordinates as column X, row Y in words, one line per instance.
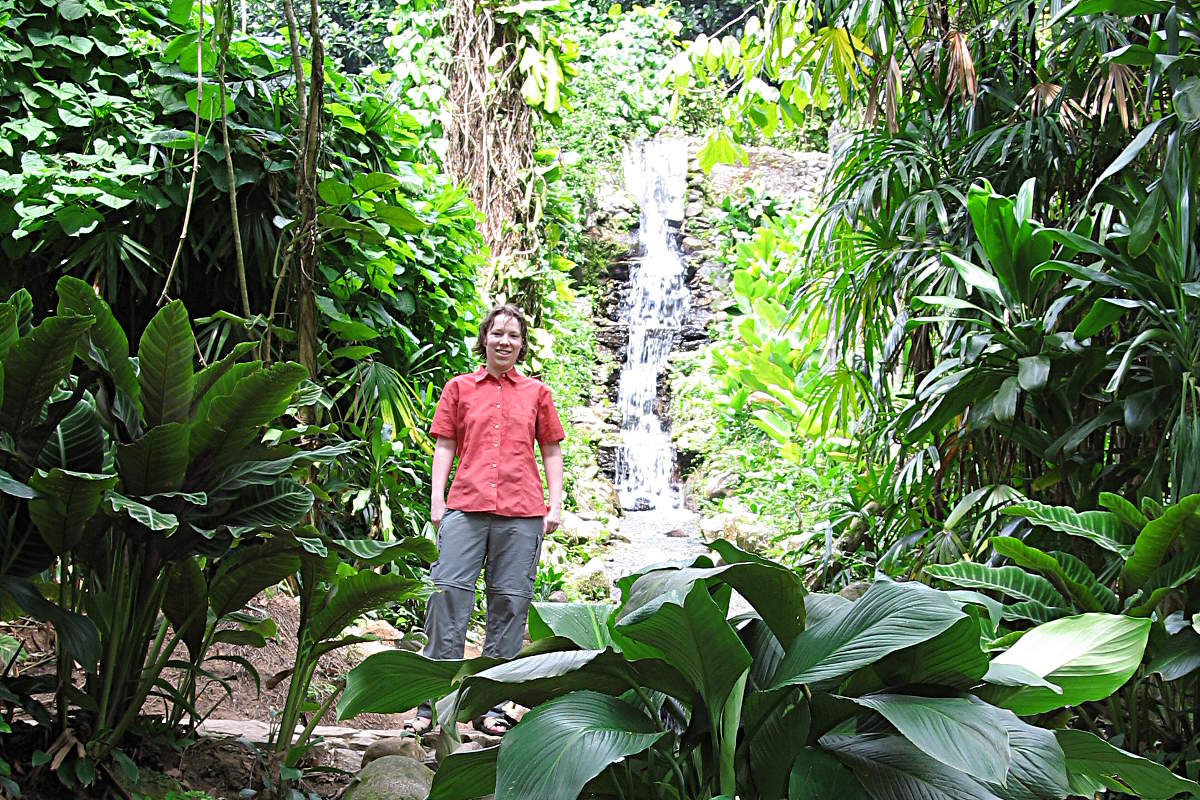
column 506, row 310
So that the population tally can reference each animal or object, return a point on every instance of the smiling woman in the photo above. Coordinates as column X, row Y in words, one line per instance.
column 496, row 512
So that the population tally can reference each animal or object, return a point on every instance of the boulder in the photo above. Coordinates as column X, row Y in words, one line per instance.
column 391, row 778
column 721, row 484
column 576, row 530
column 591, row 580
column 407, row 746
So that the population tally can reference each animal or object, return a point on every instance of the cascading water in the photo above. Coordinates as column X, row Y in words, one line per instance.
column 653, row 310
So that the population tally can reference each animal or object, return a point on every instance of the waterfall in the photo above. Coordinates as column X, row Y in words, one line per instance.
column 653, row 310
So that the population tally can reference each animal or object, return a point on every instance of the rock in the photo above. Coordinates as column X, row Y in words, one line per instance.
column 691, row 243
column 711, row 527
column 406, row 746
column 677, row 533
column 558, row 596
column 854, row 590
column 695, row 209
column 576, row 530
column 391, row 778
column 467, row 747
column 721, row 484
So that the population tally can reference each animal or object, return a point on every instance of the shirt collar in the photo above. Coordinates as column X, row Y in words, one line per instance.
column 511, row 375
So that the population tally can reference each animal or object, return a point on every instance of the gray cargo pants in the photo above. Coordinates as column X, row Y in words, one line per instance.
column 511, row 547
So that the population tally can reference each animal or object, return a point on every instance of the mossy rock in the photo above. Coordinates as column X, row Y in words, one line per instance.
column 391, row 778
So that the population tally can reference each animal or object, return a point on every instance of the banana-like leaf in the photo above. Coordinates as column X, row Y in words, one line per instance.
column 76, row 633
column 247, row 570
column 1079, row 572
column 776, row 725
column 1129, row 514
column 1164, row 580
column 8, row 328
column 1101, row 527
column 818, row 775
column 395, row 681
column 887, row 618
column 259, row 472
column 1008, row 580
column 1088, row 656
column 78, row 443
column 564, row 743
column 776, row 593
column 186, row 602
column 156, row 462
column 283, row 503
column 1175, row 656
column 1038, row 770
column 585, row 624
column 105, row 347
column 35, row 364
column 961, row 732
column 1035, row 612
column 466, row 775
column 141, row 513
column 689, row 633
column 354, row 596
column 66, row 501
column 1090, row 758
column 374, row 553
column 14, row 488
column 208, row 376
column 1180, row 519
column 954, row 657
column 1016, row 675
column 893, row 769
column 165, row 356
column 1035, row 559
column 239, row 403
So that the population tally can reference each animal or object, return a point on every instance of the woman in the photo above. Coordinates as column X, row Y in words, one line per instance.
column 496, row 514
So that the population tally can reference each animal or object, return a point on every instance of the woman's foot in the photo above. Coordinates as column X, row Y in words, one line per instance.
column 493, row 723
column 422, row 723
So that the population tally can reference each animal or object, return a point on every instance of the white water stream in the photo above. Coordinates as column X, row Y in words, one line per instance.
column 654, row 309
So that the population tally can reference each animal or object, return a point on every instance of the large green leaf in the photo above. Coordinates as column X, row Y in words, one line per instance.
column 465, row 775
column 1129, row 514
column 775, row 726
column 690, row 634
column 240, row 402
column 1009, row 580
column 1182, row 518
column 78, row 443
column 186, row 602
column 207, row 377
column 564, row 743
column 352, row 597
column 1091, row 757
column 259, row 472
column 1089, row 656
column 141, row 513
column 888, row 617
column 953, row 658
column 1045, row 563
column 1175, row 656
column 104, row 346
column 961, row 732
column 817, row 775
column 891, row 768
column 585, row 624
column 1170, row 576
column 165, row 366
column 1038, row 769
column 67, row 501
column 156, row 462
column 35, row 364
column 248, row 569
column 76, row 633
column 283, row 503
column 395, row 681
column 776, row 593
column 1101, row 527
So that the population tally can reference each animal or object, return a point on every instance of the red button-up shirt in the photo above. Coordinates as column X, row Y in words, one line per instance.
column 494, row 423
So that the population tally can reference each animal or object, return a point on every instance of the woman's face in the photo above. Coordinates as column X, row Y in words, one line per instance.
column 503, row 343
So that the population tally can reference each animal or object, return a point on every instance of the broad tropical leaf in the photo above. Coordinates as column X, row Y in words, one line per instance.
column 585, row 624
column 165, row 356
column 961, row 732
column 1038, row 770
column 1009, row 580
column 156, row 462
column 1089, row 656
column 78, row 443
column 35, row 364
column 1045, row 563
column 77, row 633
column 1180, row 519
column 283, row 503
column 395, row 681
column 186, row 602
column 891, row 768
column 239, row 403
column 1176, row 656
column 888, row 617
column 354, row 596
column 66, row 501
column 817, row 775
column 141, row 513
column 1093, row 758
column 465, row 775
column 1100, row 527
column 564, row 743
column 247, row 570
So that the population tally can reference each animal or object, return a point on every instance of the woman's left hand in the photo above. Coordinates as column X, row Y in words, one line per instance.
column 551, row 521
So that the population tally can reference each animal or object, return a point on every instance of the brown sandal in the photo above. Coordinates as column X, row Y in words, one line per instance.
column 422, row 723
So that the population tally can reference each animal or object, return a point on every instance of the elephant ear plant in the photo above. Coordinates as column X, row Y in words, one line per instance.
column 668, row 694
column 127, row 482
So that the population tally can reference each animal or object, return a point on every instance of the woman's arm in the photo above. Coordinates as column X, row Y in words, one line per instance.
column 443, row 459
column 552, row 460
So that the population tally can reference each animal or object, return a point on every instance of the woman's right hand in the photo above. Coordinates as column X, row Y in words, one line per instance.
column 436, row 512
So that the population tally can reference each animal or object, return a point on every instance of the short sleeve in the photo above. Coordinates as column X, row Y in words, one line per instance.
column 549, row 428
column 445, row 416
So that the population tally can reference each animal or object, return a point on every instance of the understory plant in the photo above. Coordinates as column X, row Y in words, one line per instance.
column 671, row 694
